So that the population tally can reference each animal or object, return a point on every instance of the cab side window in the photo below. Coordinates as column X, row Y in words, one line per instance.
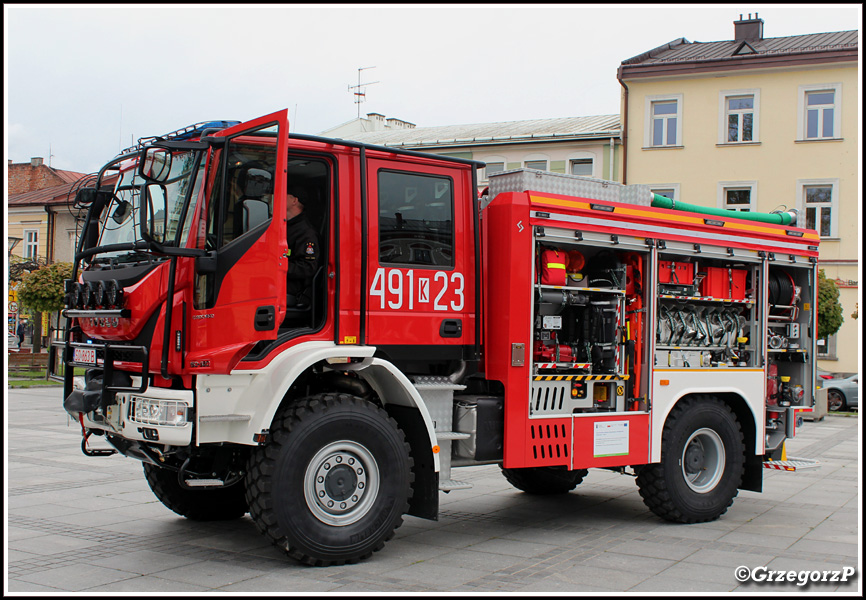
column 416, row 219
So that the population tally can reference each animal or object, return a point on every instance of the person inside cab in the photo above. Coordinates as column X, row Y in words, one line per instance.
column 302, row 252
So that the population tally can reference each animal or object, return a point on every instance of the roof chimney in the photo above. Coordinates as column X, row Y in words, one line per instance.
column 36, row 161
column 749, row 30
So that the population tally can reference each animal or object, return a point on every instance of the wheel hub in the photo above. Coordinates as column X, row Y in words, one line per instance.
column 341, row 483
column 703, row 460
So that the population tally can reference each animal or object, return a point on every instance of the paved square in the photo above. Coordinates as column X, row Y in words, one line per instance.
column 89, row 525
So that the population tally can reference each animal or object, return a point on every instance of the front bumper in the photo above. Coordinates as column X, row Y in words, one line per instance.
column 125, row 417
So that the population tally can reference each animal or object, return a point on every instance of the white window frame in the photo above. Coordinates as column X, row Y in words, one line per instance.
column 802, row 184
column 724, row 95
column 29, row 246
column 493, row 159
column 724, row 186
column 660, row 187
column 536, row 157
column 648, row 119
column 802, row 107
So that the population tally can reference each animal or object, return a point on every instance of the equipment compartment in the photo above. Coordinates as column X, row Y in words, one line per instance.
column 588, row 355
column 716, row 325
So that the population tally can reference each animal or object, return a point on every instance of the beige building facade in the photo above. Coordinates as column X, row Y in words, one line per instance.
column 758, row 124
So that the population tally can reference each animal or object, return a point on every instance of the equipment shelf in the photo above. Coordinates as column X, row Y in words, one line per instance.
column 706, row 299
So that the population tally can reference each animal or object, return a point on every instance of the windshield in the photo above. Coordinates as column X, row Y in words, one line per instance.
column 119, row 221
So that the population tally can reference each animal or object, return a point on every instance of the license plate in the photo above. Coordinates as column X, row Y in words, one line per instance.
column 84, row 355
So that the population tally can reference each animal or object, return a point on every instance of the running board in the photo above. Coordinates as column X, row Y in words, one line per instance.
column 205, row 483
column 453, row 484
column 792, row 464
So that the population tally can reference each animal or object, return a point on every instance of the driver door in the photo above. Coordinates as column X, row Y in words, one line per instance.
column 239, row 287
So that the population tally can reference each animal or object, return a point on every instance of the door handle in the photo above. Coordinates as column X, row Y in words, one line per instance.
column 265, row 317
column 451, row 328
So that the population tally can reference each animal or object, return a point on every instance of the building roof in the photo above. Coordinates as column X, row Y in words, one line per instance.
column 682, row 57
column 55, row 195
column 568, row 128
column 68, row 176
column 682, row 50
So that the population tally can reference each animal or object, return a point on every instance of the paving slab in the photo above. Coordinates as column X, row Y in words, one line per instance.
column 91, row 526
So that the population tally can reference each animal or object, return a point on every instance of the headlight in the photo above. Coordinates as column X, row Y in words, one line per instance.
column 112, row 292
column 149, row 411
column 88, row 296
column 99, row 293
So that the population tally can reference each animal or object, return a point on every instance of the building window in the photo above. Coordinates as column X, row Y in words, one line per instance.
column 819, row 209
column 820, row 112
column 826, row 347
column 669, row 193
column 31, row 243
column 738, row 116
column 582, row 167
column 738, row 195
column 492, row 168
column 668, row 190
column 817, row 201
column 541, row 165
column 663, row 121
column 740, row 200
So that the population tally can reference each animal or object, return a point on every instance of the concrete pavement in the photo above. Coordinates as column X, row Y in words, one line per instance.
column 79, row 524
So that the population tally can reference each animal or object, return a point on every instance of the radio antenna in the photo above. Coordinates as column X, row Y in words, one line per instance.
column 361, row 94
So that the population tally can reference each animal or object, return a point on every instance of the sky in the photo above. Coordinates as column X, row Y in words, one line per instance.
column 82, row 82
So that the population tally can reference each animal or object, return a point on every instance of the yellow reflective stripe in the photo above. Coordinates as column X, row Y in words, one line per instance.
column 556, row 265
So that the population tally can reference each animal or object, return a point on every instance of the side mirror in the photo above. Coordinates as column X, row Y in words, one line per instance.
column 155, row 164
column 85, row 196
column 122, row 212
column 154, row 216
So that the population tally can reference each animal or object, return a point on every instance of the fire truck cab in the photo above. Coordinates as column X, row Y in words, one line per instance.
column 553, row 325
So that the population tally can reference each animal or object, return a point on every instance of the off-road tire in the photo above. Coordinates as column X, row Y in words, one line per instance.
column 544, row 480
column 665, row 486
column 299, row 481
column 214, row 504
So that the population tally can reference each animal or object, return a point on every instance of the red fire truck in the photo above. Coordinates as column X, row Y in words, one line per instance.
column 552, row 325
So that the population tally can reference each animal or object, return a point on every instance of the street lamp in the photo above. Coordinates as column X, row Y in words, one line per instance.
column 13, row 241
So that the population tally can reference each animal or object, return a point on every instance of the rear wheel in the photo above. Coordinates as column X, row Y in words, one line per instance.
column 836, row 400
column 701, row 465
column 544, row 480
column 205, row 504
column 333, row 481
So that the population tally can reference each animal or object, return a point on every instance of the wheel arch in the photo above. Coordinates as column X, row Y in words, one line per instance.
column 396, row 393
column 744, row 413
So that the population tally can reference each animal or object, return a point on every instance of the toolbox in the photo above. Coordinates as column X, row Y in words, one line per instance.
column 725, row 283
column 677, row 278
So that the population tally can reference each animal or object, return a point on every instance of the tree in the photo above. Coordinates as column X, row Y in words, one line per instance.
column 43, row 291
column 830, row 317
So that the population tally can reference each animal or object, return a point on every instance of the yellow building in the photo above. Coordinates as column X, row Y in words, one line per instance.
column 757, row 124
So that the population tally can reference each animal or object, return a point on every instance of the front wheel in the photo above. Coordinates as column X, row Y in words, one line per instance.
column 333, row 482
column 701, row 465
